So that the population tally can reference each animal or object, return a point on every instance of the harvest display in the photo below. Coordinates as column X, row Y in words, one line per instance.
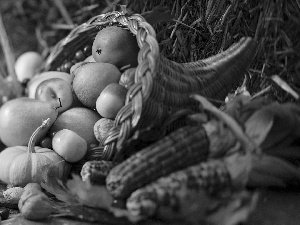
column 116, row 126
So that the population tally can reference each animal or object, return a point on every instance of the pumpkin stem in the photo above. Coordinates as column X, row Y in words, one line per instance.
column 32, row 140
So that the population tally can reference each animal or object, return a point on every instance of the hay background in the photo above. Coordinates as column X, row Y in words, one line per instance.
column 199, row 29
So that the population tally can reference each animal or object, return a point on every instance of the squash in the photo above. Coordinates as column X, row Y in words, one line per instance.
column 35, row 206
column 20, row 165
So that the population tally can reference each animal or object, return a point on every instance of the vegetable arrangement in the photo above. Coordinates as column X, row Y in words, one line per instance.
column 226, row 169
column 161, row 182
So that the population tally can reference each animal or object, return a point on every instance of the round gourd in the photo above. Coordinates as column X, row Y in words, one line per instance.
column 20, row 165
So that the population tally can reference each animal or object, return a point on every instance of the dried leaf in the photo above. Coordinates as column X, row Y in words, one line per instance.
column 286, row 126
column 275, row 172
column 193, row 207
column 236, row 129
column 234, row 105
column 259, row 125
column 53, row 185
column 236, row 210
column 221, row 139
column 88, row 214
column 281, row 83
column 239, row 167
column 90, row 195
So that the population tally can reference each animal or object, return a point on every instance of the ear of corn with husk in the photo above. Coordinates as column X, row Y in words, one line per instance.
column 170, row 196
column 187, row 145
column 184, row 147
column 190, row 193
column 96, row 171
column 232, row 162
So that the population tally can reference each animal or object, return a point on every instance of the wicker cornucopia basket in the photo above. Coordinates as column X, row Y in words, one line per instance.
column 162, row 87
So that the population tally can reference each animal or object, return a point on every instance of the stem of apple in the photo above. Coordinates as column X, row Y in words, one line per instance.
column 60, row 105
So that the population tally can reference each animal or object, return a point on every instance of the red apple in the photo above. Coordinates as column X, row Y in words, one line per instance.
column 56, row 91
column 39, row 78
column 69, row 145
column 111, row 100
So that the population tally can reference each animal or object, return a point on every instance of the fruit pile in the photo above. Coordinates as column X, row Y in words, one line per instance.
column 65, row 113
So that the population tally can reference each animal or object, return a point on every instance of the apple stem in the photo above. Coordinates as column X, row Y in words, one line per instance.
column 32, row 140
column 60, row 105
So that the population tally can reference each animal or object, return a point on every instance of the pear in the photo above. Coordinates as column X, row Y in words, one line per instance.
column 20, row 117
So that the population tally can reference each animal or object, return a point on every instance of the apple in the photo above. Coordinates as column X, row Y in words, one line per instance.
column 69, row 145
column 111, row 100
column 56, row 91
column 37, row 79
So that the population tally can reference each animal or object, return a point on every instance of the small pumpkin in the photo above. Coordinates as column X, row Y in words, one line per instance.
column 20, row 165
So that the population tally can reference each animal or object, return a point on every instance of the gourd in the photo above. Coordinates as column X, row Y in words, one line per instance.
column 35, row 205
column 20, row 165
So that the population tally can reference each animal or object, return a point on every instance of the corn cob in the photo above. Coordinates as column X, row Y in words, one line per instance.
column 184, row 147
column 13, row 194
column 171, row 193
column 96, row 171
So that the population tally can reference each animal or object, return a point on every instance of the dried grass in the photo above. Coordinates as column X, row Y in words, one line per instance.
column 206, row 27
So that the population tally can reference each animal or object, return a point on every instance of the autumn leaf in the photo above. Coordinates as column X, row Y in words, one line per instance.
column 235, row 210
column 90, row 195
column 259, row 125
column 55, row 186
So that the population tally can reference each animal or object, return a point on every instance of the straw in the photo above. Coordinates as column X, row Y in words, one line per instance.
column 10, row 61
column 63, row 11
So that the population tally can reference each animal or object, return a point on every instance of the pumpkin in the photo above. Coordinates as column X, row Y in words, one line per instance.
column 20, row 165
